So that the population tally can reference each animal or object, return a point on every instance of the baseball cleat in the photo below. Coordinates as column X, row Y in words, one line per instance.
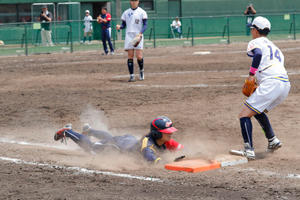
column 248, row 153
column 86, row 127
column 274, row 144
column 60, row 134
column 131, row 79
column 142, row 77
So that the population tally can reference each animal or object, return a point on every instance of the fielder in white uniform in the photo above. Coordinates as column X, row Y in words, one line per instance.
column 134, row 20
column 273, row 85
column 88, row 27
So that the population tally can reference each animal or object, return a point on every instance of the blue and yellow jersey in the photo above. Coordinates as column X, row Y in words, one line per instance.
column 150, row 149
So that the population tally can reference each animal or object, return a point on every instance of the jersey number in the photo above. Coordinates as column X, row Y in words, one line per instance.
column 276, row 55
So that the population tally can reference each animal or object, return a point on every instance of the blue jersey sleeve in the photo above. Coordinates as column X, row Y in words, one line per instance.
column 257, row 54
column 123, row 25
column 148, row 151
column 144, row 25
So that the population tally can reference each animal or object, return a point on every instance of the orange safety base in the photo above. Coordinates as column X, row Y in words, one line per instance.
column 196, row 165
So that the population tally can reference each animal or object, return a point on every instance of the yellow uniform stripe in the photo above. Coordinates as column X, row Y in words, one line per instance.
column 249, row 106
column 157, row 159
column 283, row 79
column 152, row 148
column 144, row 143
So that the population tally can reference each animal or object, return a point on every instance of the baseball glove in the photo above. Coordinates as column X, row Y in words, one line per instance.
column 99, row 20
column 136, row 40
column 249, row 87
column 179, row 158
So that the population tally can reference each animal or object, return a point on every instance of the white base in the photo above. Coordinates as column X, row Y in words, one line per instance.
column 229, row 160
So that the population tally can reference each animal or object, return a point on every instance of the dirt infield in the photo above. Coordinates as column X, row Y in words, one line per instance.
column 200, row 93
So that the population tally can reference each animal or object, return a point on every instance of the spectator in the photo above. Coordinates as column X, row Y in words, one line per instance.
column 104, row 19
column 88, row 27
column 176, row 28
column 45, row 19
column 249, row 12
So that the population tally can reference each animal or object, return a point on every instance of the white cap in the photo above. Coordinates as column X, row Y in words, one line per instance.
column 87, row 11
column 261, row 23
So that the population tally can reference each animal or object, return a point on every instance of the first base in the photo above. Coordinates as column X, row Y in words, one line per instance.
column 195, row 165
column 200, row 165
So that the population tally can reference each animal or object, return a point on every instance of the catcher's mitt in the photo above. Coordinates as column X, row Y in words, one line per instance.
column 136, row 40
column 249, row 87
column 99, row 20
column 179, row 158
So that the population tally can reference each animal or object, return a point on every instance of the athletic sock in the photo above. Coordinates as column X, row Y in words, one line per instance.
column 90, row 39
column 246, row 128
column 84, row 39
column 265, row 125
column 130, row 66
column 141, row 64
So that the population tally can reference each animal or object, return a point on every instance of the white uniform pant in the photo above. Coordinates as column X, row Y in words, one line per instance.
column 268, row 95
column 128, row 38
column 46, row 38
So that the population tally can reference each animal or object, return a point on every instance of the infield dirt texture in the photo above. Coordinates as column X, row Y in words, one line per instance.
column 200, row 93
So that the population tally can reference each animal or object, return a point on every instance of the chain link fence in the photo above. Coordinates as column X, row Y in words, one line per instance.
column 66, row 36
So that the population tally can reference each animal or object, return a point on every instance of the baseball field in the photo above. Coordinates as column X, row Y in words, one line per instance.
column 199, row 88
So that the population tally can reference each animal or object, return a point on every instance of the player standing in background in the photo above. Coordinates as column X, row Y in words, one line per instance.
column 134, row 20
column 88, row 27
column 104, row 19
column 273, row 86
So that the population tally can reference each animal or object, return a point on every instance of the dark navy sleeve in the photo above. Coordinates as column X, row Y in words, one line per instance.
column 149, row 155
column 123, row 25
column 257, row 54
column 145, row 23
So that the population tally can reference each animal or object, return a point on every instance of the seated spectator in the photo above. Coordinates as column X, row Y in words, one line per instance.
column 176, row 28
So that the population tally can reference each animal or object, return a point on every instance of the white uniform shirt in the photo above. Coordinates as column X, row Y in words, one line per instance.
column 176, row 24
column 87, row 23
column 134, row 19
column 272, row 61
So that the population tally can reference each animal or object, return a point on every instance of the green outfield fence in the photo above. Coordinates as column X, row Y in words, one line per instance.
column 25, row 38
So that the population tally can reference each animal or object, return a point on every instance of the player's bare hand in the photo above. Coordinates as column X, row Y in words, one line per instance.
column 118, row 27
column 251, row 78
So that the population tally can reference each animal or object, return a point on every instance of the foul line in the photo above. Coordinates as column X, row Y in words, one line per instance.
column 181, row 72
column 270, row 173
column 4, row 140
column 80, row 170
column 198, row 71
column 183, row 86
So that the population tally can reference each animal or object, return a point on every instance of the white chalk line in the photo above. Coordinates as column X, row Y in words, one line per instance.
column 270, row 173
column 241, row 51
column 4, row 140
column 184, row 86
column 180, row 72
column 79, row 169
column 198, row 71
